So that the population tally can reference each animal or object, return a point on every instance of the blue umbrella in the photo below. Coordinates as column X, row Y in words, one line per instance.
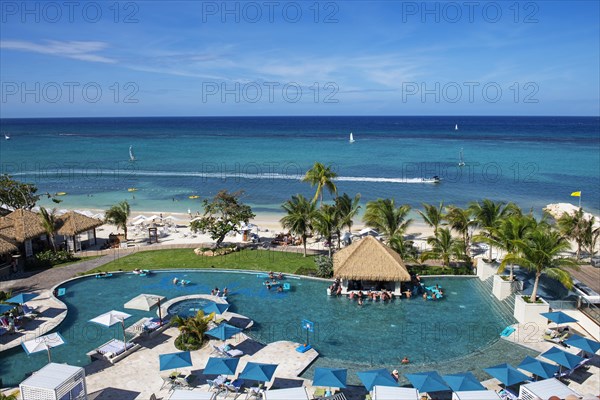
column 223, row 331
column 217, row 308
column 258, row 372
column 542, row 369
column 377, row 377
column 506, row 374
column 221, row 366
column 463, row 382
column 330, row 377
column 175, row 360
column 5, row 307
column 563, row 358
column 559, row 317
column 590, row 346
column 22, row 298
column 427, row 382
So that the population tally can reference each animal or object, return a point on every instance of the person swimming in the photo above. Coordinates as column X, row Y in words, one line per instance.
column 175, row 281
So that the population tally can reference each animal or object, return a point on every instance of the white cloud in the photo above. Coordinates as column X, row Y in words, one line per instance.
column 77, row 50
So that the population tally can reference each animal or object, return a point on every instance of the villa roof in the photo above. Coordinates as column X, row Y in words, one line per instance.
column 6, row 246
column 21, row 225
column 369, row 259
column 73, row 223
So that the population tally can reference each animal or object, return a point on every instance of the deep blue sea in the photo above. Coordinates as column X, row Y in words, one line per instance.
column 532, row 161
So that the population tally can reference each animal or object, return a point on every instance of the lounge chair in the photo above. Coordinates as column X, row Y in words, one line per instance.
column 114, row 350
column 223, row 351
column 256, row 392
column 234, row 388
column 554, row 336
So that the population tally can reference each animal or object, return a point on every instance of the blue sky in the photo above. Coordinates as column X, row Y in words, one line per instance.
column 155, row 58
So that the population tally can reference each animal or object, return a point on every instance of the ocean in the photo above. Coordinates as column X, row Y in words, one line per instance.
column 532, row 161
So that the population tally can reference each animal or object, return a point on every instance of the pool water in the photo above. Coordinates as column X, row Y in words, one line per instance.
column 373, row 335
column 188, row 308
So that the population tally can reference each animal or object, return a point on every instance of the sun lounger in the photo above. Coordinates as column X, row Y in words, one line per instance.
column 554, row 336
column 114, row 350
column 224, row 352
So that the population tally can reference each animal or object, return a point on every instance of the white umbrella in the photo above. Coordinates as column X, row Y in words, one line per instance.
column 43, row 343
column 139, row 222
column 153, row 217
column 112, row 317
column 145, row 302
column 196, row 219
column 170, row 218
column 139, row 217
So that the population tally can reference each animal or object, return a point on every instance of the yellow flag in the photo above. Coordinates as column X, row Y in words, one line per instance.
column 576, row 194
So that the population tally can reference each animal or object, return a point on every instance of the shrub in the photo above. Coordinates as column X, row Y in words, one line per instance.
column 185, row 342
column 5, row 295
column 49, row 258
column 324, row 266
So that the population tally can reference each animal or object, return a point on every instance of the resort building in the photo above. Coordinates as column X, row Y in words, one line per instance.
column 368, row 264
column 78, row 231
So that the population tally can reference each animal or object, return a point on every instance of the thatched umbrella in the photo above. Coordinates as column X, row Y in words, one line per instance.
column 370, row 260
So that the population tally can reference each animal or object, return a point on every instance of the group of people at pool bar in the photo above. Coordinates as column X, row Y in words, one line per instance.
column 380, row 292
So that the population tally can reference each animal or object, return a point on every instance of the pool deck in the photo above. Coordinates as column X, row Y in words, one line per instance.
column 51, row 312
column 138, row 375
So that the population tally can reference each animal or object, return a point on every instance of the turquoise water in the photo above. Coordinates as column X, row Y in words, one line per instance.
column 533, row 161
column 188, row 308
column 376, row 334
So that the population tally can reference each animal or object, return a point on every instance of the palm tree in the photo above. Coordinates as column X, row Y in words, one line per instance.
column 573, row 226
column 325, row 222
column 512, row 230
column 118, row 215
column 347, row 209
column 389, row 220
column 443, row 246
column 540, row 252
column 300, row 213
column 404, row 247
column 591, row 234
column 322, row 177
column 49, row 222
column 461, row 221
column 433, row 215
column 488, row 215
column 192, row 329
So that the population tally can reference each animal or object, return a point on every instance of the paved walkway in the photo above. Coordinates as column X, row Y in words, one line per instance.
column 49, row 278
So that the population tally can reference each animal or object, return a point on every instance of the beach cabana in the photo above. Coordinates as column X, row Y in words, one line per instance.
column 72, row 226
column 546, row 389
column 476, row 395
column 297, row 393
column 368, row 264
column 54, row 382
column 394, row 393
column 24, row 229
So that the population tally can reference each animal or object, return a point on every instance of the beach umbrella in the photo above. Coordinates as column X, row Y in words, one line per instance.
column 217, row 308
column 465, row 382
column 112, row 317
column 562, row 358
column 5, row 308
column 506, row 374
column 223, row 331
column 427, row 382
column 221, row 366
column 379, row 377
column 539, row 368
column 330, row 377
column 146, row 302
column 22, row 298
column 258, row 372
column 42, row 343
column 587, row 345
column 180, row 359
column 558, row 317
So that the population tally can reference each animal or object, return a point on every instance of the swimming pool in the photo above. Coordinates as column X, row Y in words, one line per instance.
column 376, row 334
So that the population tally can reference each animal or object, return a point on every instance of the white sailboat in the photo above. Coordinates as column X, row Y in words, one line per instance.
column 456, row 127
column 461, row 162
column 6, row 137
column 131, row 156
column 351, row 138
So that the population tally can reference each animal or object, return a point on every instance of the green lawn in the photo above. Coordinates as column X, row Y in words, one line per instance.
column 77, row 260
column 261, row 260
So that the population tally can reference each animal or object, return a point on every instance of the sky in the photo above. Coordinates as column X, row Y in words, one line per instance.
column 231, row 58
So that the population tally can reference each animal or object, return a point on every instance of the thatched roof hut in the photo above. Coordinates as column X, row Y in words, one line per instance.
column 7, row 247
column 73, row 223
column 21, row 225
column 369, row 260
